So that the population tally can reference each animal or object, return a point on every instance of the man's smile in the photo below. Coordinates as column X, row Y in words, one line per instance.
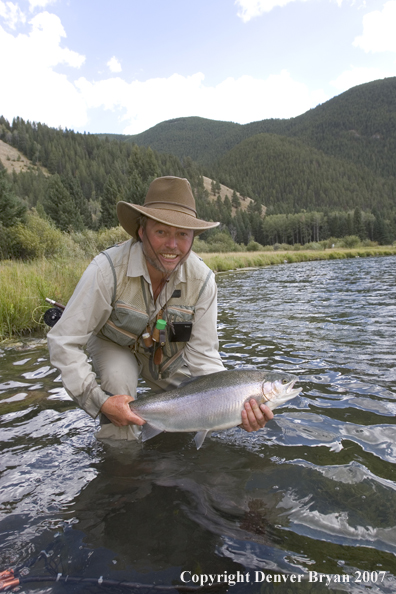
column 169, row 256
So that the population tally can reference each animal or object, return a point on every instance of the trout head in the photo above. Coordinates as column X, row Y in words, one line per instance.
column 277, row 388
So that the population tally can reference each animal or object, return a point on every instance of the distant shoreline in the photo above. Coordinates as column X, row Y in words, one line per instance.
column 25, row 285
column 236, row 260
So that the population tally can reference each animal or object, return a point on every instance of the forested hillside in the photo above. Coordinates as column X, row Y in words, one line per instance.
column 336, row 157
column 288, row 176
column 358, row 125
column 328, row 173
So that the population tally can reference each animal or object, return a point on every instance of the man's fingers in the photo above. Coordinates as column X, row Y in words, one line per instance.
column 254, row 417
column 117, row 410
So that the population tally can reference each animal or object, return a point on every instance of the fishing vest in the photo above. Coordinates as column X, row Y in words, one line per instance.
column 131, row 297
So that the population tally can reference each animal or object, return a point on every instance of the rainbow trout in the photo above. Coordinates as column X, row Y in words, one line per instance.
column 212, row 402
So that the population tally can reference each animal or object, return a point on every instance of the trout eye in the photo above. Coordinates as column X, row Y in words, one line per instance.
column 284, row 381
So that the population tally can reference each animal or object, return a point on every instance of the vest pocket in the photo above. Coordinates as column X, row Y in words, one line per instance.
column 180, row 313
column 125, row 324
column 176, row 314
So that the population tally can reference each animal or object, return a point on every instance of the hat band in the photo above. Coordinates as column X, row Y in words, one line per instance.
column 168, row 205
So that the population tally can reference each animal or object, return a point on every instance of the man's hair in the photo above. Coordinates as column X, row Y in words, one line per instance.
column 142, row 222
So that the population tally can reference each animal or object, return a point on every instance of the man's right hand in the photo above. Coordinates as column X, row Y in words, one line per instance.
column 117, row 410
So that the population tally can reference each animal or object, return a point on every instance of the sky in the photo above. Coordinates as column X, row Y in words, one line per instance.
column 123, row 66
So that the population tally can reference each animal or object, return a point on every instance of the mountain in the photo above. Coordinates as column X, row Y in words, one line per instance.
column 339, row 155
column 295, row 180
column 358, row 125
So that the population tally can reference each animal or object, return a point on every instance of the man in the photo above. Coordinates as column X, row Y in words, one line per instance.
column 146, row 307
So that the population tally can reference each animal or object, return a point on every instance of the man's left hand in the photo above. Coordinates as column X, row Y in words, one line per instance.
column 254, row 417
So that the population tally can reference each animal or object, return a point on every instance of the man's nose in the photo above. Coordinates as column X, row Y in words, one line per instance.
column 171, row 241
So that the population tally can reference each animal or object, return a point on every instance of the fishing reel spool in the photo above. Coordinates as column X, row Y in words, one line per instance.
column 52, row 315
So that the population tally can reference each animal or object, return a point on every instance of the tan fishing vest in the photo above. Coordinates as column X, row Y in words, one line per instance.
column 131, row 297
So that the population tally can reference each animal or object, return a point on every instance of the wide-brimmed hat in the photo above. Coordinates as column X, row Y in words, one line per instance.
column 169, row 200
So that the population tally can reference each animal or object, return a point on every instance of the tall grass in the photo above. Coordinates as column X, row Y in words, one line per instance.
column 233, row 261
column 24, row 287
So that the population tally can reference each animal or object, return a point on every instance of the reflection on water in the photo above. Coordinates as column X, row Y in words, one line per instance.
column 313, row 492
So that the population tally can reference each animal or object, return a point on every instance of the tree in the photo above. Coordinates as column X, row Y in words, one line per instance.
column 60, row 207
column 12, row 210
column 108, row 203
column 236, row 203
column 73, row 187
column 358, row 225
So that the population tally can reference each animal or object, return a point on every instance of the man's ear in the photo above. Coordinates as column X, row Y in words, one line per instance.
column 140, row 233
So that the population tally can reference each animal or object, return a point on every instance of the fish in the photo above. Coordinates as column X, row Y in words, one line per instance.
column 212, row 402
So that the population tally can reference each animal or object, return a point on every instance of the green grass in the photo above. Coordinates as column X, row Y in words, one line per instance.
column 25, row 285
column 235, row 260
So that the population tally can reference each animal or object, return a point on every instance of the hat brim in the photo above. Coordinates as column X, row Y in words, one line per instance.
column 129, row 214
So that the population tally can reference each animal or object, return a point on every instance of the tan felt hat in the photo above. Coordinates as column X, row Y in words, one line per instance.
column 169, row 200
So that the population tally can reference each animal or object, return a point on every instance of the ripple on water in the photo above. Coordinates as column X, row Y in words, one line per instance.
column 304, row 494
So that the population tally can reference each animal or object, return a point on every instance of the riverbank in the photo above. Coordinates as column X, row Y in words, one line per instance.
column 235, row 260
column 25, row 285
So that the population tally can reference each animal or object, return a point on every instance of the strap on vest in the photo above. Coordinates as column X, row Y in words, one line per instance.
column 114, row 276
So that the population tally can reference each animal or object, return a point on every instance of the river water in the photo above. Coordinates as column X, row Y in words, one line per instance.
column 313, row 494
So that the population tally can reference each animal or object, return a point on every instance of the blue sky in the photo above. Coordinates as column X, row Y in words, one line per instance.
column 123, row 66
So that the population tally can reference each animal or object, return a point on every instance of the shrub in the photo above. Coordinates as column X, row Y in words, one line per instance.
column 313, row 245
column 37, row 238
column 254, row 246
column 350, row 241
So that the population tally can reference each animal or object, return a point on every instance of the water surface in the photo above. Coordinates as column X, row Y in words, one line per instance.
column 315, row 491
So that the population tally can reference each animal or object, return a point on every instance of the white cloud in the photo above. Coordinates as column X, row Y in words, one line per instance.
column 249, row 9
column 379, row 30
column 358, row 76
column 39, row 93
column 114, row 65
column 44, row 41
column 36, row 91
column 242, row 100
column 39, row 3
column 11, row 13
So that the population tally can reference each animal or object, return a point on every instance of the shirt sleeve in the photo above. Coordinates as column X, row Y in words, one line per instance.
column 86, row 312
column 201, row 353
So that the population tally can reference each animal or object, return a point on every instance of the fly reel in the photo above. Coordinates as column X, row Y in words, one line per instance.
column 52, row 315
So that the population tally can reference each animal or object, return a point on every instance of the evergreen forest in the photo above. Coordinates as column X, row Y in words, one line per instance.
column 329, row 173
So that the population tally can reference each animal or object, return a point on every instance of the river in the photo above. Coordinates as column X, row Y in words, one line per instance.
column 307, row 504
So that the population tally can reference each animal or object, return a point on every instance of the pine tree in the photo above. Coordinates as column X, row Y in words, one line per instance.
column 73, row 187
column 12, row 210
column 111, row 196
column 60, row 207
column 358, row 225
column 236, row 203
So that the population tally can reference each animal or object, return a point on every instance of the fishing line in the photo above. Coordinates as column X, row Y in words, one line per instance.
column 9, row 579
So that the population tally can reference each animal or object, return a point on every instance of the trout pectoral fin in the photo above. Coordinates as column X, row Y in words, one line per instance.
column 148, row 431
column 200, row 438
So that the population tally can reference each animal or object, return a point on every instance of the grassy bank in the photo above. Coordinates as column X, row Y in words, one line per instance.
column 235, row 260
column 25, row 285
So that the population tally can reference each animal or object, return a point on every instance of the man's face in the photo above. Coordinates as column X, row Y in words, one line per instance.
column 165, row 246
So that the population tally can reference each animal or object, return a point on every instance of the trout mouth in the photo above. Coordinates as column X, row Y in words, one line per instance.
column 279, row 391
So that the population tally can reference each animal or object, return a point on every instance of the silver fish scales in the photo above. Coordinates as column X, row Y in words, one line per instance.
column 212, row 402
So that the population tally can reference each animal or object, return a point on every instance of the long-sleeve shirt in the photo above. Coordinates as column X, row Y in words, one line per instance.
column 90, row 307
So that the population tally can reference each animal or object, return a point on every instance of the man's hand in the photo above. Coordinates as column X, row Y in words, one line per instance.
column 117, row 410
column 254, row 417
